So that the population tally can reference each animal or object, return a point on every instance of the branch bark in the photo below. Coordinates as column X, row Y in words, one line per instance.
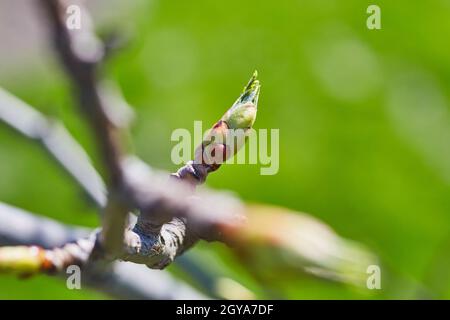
column 119, row 279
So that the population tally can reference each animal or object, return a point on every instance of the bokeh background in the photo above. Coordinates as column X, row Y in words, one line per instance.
column 364, row 119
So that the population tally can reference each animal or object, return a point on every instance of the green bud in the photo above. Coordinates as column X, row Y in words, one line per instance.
column 242, row 114
column 228, row 135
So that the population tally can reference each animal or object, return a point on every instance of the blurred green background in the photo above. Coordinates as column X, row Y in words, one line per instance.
column 364, row 119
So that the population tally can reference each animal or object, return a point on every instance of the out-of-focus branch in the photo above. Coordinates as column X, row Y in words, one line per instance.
column 81, row 53
column 58, row 142
column 298, row 241
column 287, row 237
column 120, row 279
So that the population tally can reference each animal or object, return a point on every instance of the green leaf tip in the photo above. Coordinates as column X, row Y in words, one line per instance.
column 242, row 114
column 233, row 126
column 252, row 80
column 251, row 90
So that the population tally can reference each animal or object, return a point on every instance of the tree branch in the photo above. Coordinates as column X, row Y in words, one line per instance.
column 157, row 212
column 120, row 279
column 58, row 142
column 81, row 53
column 73, row 159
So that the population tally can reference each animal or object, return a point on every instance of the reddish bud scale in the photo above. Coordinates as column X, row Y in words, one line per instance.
column 213, row 150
